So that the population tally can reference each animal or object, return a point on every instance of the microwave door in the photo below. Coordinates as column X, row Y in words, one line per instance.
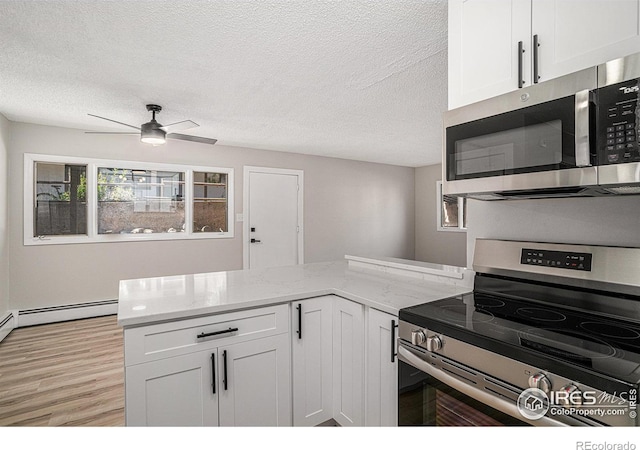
column 543, row 146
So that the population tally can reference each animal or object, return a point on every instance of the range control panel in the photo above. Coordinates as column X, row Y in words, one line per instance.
column 560, row 260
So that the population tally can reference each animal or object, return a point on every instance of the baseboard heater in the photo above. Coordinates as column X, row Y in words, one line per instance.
column 6, row 320
column 6, row 325
column 50, row 314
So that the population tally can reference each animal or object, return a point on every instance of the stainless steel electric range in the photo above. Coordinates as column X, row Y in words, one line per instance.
column 550, row 335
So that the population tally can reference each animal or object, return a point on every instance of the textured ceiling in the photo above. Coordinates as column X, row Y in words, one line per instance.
column 362, row 80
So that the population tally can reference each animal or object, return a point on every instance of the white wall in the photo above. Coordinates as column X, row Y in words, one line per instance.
column 442, row 247
column 611, row 221
column 350, row 208
column 4, row 221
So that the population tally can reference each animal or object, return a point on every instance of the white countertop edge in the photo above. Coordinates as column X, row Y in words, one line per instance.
column 218, row 309
column 250, row 304
column 413, row 266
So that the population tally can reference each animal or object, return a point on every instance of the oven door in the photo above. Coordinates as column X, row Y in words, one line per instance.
column 425, row 401
column 428, row 396
column 538, row 138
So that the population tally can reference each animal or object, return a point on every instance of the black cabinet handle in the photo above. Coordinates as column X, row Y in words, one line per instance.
column 536, row 44
column 299, row 308
column 213, row 372
column 394, row 354
column 520, row 57
column 224, row 369
column 216, row 333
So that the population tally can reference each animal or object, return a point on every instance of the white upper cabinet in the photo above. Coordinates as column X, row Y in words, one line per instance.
column 483, row 47
column 491, row 42
column 576, row 34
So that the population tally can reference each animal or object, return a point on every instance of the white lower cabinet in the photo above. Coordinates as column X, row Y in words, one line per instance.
column 382, row 370
column 312, row 350
column 177, row 391
column 348, row 362
column 257, row 387
column 231, row 380
column 336, row 364
column 342, row 363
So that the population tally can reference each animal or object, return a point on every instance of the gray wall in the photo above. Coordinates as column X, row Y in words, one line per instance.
column 350, row 208
column 602, row 221
column 442, row 247
column 4, row 222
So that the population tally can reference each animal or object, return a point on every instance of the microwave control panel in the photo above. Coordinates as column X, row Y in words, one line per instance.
column 618, row 123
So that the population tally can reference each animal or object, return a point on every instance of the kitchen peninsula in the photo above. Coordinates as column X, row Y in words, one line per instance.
column 295, row 345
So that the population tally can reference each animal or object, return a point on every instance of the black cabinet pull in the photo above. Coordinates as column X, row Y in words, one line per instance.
column 215, row 333
column 224, row 369
column 536, row 44
column 299, row 308
column 520, row 57
column 213, row 372
column 393, row 341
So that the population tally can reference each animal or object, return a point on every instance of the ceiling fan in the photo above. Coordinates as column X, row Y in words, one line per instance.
column 155, row 133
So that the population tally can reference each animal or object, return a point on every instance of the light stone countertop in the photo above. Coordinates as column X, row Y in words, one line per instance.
column 148, row 300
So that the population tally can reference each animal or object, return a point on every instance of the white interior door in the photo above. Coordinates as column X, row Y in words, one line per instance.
column 273, row 217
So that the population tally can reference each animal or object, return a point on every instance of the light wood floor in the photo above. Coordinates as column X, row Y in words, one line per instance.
column 68, row 373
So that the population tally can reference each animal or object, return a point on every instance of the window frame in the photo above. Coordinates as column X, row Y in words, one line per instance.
column 92, row 235
column 439, row 205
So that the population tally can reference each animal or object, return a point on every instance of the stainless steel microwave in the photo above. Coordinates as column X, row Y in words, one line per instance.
column 575, row 135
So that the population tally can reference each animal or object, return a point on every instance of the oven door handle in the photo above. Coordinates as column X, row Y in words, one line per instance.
column 488, row 399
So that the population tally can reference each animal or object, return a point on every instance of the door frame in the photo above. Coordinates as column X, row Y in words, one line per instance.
column 247, row 214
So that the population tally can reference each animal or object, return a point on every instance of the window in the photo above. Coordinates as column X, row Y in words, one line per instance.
column 452, row 211
column 140, row 201
column 209, row 202
column 72, row 200
column 60, row 199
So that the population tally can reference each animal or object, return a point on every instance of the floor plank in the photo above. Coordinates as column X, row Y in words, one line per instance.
column 63, row 374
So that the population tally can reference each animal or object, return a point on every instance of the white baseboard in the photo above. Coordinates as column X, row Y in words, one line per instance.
column 7, row 323
column 62, row 313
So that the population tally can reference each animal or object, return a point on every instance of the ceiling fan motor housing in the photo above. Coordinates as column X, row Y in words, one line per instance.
column 151, row 132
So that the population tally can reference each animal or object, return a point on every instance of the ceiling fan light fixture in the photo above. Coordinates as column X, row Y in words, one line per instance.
column 151, row 133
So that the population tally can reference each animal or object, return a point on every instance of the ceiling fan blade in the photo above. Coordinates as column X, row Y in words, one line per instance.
column 115, row 121
column 112, row 132
column 179, row 126
column 186, row 137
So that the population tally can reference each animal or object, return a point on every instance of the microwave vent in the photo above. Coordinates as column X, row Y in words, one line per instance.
column 484, row 197
column 621, row 190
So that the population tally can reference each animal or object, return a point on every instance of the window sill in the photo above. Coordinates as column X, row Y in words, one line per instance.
column 133, row 237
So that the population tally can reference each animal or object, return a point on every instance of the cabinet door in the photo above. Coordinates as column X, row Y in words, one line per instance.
column 176, row 391
column 483, row 48
column 255, row 382
column 348, row 363
column 576, row 34
column 312, row 361
column 382, row 370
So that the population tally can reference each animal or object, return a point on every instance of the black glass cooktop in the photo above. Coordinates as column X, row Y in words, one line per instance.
column 574, row 343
